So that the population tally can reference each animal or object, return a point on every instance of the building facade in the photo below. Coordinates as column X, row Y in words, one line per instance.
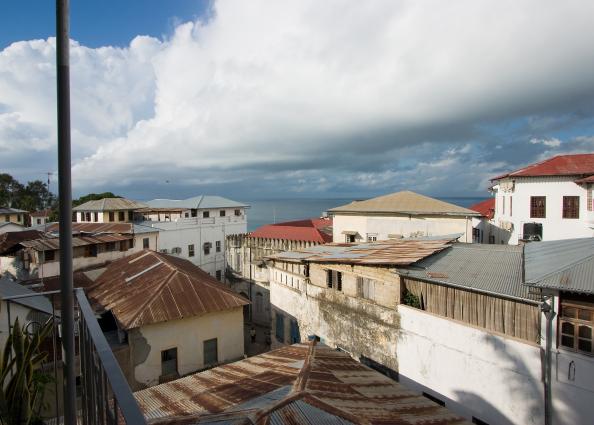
column 189, row 322
column 549, row 200
column 13, row 215
column 457, row 325
column 196, row 228
column 400, row 215
column 107, row 210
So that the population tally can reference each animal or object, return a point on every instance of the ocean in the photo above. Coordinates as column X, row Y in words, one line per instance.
column 266, row 211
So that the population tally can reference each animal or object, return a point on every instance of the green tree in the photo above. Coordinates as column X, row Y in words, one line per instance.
column 10, row 190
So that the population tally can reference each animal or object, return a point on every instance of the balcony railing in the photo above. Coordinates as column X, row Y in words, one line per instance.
column 103, row 396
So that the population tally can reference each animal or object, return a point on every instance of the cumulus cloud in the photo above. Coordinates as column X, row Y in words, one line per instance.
column 282, row 95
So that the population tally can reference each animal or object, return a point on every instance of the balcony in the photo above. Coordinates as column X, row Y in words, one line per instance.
column 103, row 395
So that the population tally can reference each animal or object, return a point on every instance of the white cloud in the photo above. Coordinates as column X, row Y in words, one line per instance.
column 551, row 143
column 283, row 86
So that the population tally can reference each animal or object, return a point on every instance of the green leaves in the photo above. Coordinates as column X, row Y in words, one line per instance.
column 22, row 381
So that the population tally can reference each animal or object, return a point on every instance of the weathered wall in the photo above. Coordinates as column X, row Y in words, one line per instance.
column 188, row 335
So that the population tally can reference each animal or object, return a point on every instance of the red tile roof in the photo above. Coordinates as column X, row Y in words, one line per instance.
column 150, row 287
column 317, row 230
column 42, row 213
column 486, row 208
column 560, row 165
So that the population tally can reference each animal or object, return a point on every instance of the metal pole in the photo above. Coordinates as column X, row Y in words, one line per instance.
column 65, row 198
column 549, row 312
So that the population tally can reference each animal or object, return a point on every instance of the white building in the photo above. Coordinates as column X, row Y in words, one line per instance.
column 39, row 218
column 397, row 215
column 549, row 200
column 196, row 228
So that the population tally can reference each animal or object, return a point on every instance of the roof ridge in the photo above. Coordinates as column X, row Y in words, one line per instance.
column 151, row 298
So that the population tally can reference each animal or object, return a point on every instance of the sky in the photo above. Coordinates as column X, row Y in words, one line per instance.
column 285, row 99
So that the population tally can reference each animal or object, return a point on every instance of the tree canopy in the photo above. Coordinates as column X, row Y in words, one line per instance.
column 33, row 196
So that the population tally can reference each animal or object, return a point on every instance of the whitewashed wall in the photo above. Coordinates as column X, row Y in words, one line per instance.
column 382, row 226
column 554, row 225
column 196, row 231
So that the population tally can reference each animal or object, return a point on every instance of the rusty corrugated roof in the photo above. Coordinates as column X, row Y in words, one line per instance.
column 302, row 384
column 94, row 227
column 53, row 243
column 389, row 252
column 10, row 239
column 150, row 287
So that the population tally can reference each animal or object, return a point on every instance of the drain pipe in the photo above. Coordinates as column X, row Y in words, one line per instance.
column 65, row 197
column 549, row 312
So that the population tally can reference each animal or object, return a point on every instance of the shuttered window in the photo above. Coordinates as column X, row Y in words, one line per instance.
column 334, row 279
column 571, row 207
column 538, row 207
column 576, row 325
column 169, row 361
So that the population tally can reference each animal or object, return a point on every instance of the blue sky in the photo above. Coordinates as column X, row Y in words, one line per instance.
column 258, row 99
column 97, row 23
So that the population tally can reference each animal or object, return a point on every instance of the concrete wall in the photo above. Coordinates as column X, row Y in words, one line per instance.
column 554, row 225
column 188, row 335
column 407, row 226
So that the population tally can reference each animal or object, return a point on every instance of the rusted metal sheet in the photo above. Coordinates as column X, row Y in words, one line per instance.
column 390, row 252
column 150, row 287
column 95, row 227
column 303, row 384
column 53, row 243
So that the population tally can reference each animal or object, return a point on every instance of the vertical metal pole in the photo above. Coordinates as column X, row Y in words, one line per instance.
column 65, row 197
column 549, row 312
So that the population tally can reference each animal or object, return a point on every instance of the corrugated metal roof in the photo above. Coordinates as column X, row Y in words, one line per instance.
column 566, row 265
column 8, row 288
column 405, row 202
column 560, row 165
column 9, row 239
column 317, row 230
column 197, row 202
column 390, row 252
column 53, row 243
column 6, row 210
column 150, row 287
column 90, row 227
column 301, row 384
column 110, row 204
column 495, row 269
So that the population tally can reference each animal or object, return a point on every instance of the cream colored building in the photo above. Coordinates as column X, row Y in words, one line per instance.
column 166, row 318
column 107, row 210
column 400, row 215
column 12, row 215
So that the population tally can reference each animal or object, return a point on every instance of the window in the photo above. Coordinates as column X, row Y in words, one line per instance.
column 169, row 362
column 511, row 206
column 145, row 243
column 206, row 247
column 131, row 244
column 90, row 251
column 222, row 213
column 96, row 217
column 191, row 250
column 88, row 216
column 176, row 250
column 187, row 214
column 349, row 238
column 295, row 337
column 111, row 216
column 371, row 237
column 280, row 327
column 218, row 246
column 571, row 207
column 205, row 214
column 38, row 221
column 589, row 197
column 218, row 275
column 110, row 246
column 7, row 218
column 503, row 207
column 211, row 355
column 49, row 256
column 121, row 216
column 366, row 288
column 237, row 213
column 476, row 235
column 334, row 279
column 576, row 324
column 538, row 207
column 124, row 245
column 19, row 218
